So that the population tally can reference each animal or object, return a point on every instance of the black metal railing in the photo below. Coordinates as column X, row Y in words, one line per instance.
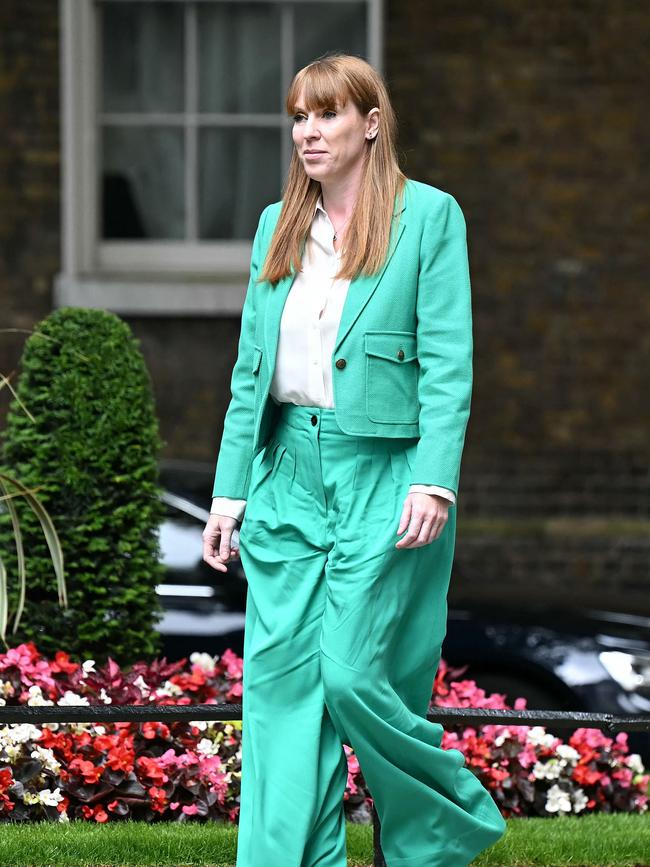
column 609, row 723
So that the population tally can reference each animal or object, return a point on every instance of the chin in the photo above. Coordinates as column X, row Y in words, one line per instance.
column 316, row 171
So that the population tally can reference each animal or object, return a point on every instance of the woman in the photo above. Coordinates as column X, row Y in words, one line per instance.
column 350, row 399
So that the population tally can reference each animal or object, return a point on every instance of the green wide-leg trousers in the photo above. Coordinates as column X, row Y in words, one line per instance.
column 342, row 641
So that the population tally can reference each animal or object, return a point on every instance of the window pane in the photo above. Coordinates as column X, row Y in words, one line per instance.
column 142, row 56
column 239, row 57
column 321, row 27
column 142, row 183
column 239, row 175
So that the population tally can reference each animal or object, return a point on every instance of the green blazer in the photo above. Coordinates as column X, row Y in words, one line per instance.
column 402, row 360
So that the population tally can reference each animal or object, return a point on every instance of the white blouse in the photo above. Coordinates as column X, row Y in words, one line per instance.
column 308, row 329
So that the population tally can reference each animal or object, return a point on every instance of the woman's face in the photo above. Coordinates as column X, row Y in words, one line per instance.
column 331, row 142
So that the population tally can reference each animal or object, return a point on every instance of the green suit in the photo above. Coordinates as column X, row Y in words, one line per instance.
column 405, row 339
column 344, row 631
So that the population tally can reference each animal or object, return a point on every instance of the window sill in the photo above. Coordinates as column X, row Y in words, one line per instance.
column 154, row 296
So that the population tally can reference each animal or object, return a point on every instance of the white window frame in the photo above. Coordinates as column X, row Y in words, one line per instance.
column 182, row 278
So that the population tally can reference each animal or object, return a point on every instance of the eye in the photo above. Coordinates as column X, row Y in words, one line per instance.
column 297, row 117
column 329, row 111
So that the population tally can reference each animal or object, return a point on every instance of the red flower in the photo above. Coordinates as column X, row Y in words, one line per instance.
column 152, row 730
column 6, row 779
column 158, row 799
column 98, row 813
column 85, row 769
column 120, row 759
column 150, row 768
column 585, row 775
column 62, row 663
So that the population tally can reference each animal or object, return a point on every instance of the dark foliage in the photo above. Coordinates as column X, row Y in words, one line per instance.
column 93, row 450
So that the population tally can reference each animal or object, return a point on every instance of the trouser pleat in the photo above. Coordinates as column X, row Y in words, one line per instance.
column 342, row 643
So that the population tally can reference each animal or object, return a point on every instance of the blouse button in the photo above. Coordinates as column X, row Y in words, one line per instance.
column 340, row 363
column 400, row 354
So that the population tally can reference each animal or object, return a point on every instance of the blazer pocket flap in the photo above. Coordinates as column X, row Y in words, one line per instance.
column 257, row 358
column 399, row 346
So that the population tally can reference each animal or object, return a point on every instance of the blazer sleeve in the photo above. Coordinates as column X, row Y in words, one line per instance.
column 235, row 458
column 444, row 346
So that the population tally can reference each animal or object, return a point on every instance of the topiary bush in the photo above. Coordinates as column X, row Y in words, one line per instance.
column 92, row 449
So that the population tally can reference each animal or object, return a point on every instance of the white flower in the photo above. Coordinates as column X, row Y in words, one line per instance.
column 6, row 688
column 22, row 733
column 200, row 724
column 70, row 699
column 169, row 688
column 557, row 799
column 2, row 701
column 50, row 798
column 204, row 660
column 105, row 697
column 142, row 685
column 78, row 727
column 99, row 729
column 63, row 816
column 549, row 770
column 13, row 752
column 579, row 800
column 635, row 764
column 207, row 747
column 47, row 757
column 88, row 666
column 566, row 752
column 505, row 734
column 36, row 697
column 538, row 736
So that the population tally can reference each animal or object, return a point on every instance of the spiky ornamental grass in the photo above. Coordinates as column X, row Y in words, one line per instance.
column 92, row 450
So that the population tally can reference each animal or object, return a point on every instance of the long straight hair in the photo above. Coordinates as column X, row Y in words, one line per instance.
column 329, row 81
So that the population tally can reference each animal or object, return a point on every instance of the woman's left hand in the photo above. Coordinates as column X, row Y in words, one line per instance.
column 425, row 515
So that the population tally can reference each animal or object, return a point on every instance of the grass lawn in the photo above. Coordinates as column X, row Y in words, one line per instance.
column 621, row 840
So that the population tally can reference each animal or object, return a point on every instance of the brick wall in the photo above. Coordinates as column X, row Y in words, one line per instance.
column 533, row 117
column 29, row 171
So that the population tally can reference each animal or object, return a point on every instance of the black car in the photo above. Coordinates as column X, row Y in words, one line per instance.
column 583, row 660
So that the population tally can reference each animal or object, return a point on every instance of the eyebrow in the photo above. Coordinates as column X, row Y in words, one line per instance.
column 300, row 109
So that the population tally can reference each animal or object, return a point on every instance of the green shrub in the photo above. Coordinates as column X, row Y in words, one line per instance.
column 92, row 450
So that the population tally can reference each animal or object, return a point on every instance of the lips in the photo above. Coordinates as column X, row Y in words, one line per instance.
column 314, row 152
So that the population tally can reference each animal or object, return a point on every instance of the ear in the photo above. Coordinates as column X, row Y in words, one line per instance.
column 372, row 123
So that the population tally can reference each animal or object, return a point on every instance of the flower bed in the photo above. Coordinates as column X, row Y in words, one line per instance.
column 191, row 770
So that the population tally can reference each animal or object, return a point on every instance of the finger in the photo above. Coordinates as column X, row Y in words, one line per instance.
column 215, row 562
column 423, row 536
column 211, row 552
column 413, row 532
column 443, row 517
column 406, row 516
column 210, row 547
column 423, row 533
column 224, row 547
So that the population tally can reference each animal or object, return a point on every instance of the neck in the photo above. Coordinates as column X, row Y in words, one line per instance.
column 340, row 194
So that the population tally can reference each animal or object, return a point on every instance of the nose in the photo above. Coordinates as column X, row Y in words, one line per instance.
column 311, row 128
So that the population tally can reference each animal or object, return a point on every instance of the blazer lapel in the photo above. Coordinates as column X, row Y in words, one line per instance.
column 362, row 288
column 359, row 293
column 275, row 300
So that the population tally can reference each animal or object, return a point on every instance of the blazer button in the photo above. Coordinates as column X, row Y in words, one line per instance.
column 340, row 363
column 400, row 354
column 314, row 420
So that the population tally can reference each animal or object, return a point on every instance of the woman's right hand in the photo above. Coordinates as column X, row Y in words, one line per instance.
column 219, row 547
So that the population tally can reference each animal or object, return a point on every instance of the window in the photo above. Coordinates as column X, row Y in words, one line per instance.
column 175, row 138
